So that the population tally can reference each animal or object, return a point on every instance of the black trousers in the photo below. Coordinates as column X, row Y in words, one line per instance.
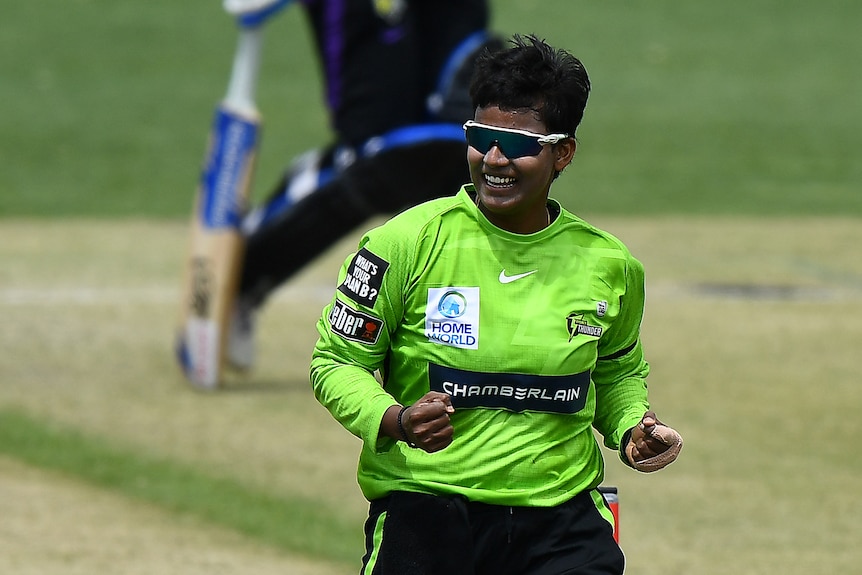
column 417, row 534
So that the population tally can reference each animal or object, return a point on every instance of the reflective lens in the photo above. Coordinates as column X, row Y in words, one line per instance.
column 513, row 143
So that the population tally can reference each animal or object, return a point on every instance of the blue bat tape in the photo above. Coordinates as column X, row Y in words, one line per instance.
column 233, row 145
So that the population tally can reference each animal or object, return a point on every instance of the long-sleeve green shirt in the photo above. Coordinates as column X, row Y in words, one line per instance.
column 535, row 338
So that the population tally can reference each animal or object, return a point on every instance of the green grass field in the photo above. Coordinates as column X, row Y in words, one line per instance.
column 720, row 144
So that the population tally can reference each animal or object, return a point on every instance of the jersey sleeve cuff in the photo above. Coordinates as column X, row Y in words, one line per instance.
column 373, row 439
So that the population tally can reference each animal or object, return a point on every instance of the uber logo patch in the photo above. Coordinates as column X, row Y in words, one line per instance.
column 364, row 278
column 354, row 325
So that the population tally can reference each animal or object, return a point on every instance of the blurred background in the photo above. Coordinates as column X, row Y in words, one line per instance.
column 704, row 108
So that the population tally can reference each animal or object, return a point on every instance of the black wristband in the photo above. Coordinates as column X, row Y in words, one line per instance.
column 401, row 429
column 627, row 436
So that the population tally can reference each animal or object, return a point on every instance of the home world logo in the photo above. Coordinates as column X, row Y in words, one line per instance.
column 452, row 316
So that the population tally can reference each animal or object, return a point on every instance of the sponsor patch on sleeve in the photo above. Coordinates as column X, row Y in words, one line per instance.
column 354, row 325
column 364, row 278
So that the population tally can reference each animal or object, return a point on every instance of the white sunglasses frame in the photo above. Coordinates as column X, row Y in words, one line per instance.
column 541, row 138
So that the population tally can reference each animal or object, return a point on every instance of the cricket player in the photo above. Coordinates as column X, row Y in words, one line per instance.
column 396, row 75
column 505, row 330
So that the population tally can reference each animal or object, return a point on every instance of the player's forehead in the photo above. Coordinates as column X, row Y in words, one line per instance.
column 527, row 119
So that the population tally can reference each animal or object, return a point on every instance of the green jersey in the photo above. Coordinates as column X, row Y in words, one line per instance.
column 534, row 337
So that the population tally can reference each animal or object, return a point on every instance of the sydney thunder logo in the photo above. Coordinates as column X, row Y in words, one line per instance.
column 576, row 324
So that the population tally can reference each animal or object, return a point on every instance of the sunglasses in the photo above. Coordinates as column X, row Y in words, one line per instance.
column 513, row 143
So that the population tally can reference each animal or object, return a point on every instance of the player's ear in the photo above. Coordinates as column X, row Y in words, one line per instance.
column 564, row 151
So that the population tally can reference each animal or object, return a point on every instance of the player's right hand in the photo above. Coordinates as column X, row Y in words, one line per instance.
column 427, row 422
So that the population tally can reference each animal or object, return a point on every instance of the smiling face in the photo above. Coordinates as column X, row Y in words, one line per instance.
column 512, row 192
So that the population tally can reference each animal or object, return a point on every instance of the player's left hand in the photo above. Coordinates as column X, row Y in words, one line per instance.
column 653, row 445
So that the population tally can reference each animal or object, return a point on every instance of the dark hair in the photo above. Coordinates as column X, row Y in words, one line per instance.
column 531, row 74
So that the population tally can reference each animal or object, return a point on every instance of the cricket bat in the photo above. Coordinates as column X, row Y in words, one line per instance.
column 216, row 249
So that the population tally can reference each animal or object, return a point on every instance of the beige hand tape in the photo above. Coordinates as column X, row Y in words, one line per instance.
column 666, row 435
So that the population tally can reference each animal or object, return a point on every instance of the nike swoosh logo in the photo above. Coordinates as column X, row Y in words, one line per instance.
column 504, row 279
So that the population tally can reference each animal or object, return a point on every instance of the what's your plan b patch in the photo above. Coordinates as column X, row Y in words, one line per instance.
column 364, row 278
column 354, row 325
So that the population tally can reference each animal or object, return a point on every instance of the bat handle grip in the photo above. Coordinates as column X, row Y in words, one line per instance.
column 242, row 88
